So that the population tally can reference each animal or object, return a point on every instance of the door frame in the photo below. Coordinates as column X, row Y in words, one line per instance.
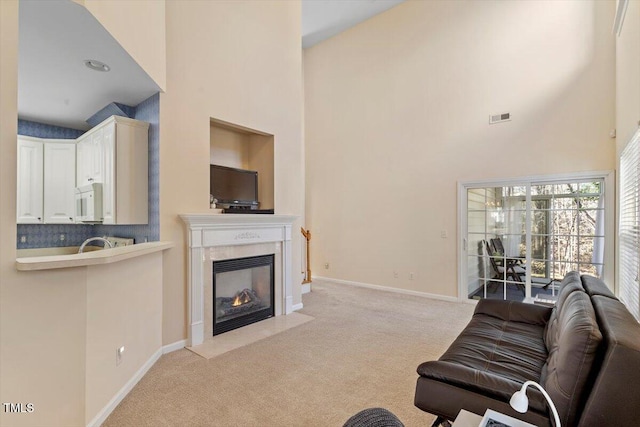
column 608, row 177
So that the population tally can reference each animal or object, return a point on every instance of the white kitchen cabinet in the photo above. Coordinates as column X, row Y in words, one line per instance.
column 83, row 147
column 125, row 177
column 59, row 181
column 29, row 202
column 90, row 160
column 115, row 153
column 46, row 181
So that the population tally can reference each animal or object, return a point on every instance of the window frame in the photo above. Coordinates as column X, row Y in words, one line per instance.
column 608, row 193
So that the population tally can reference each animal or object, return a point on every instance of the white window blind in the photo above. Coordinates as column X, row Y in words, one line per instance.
column 629, row 237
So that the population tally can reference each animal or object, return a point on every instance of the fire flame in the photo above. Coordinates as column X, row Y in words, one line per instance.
column 241, row 298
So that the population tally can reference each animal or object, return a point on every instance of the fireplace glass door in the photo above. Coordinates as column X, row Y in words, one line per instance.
column 242, row 292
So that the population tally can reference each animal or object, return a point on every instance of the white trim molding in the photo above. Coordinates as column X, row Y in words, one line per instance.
column 170, row 348
column 122, row 393
column 207, row 231
column 389, row 289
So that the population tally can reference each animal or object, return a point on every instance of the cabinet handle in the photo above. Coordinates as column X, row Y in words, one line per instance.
column 39, row 219
column 90, row 179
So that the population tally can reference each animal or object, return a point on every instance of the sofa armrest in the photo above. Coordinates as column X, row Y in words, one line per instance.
column 514, row 311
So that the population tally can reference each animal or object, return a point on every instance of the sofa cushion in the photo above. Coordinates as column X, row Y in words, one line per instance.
column 594, row 286
column 570, row 277
column 573, row 344
column 514, row 311
column 492, row 357
column 571, row 283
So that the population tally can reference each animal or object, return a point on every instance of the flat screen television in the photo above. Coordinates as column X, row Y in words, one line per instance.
column 234, row 187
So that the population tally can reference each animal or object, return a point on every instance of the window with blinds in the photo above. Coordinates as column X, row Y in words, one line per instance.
column 629, row 238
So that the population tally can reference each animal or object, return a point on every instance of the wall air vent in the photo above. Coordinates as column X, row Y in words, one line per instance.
column 499, row 118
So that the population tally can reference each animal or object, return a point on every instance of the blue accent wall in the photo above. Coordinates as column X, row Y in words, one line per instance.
column 48, row 235
column 40, row 130
column 113, row 109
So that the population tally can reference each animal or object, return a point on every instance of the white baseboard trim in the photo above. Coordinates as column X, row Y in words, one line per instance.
column 122, row 393
column 306, row 288
column 390, row 289
column 178, row 345
column 297, row 307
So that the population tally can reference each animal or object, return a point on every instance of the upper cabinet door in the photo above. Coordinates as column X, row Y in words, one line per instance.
column 90, row 160
column 97, row 156
column 29, row 202
column 82, row 160
column 59, row 182
column 125, row 177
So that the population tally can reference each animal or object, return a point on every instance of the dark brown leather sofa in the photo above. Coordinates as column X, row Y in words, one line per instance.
column 585, row 351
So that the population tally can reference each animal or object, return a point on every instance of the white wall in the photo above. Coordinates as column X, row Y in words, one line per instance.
column 123, row 308
column 139, row 28
column 396, row 113
column 44, row 355
column 236, row 62
column 41, row 315
column 628, row 77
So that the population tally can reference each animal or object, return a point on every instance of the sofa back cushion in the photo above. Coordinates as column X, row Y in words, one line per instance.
column 594, row 286
column 569, row 278
column 570, row 283
column 573, row 342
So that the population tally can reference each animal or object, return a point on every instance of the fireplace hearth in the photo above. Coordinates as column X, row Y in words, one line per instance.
column 243, row 292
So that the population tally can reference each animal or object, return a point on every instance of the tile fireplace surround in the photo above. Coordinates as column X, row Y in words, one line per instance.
column 215, row 237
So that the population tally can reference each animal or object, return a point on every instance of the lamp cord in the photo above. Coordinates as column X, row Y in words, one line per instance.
column 556, row 418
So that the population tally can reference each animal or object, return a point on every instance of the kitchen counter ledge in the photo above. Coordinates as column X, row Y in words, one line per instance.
column 94, row 257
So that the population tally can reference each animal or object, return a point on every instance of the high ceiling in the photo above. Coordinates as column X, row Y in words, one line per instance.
column 322, row 19
column 54, row 85
column 57, row 36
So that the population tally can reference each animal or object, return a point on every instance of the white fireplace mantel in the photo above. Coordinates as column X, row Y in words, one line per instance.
column 227, row 230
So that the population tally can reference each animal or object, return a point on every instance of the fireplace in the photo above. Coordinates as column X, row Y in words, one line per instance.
column 243, row 292
column 218, row 237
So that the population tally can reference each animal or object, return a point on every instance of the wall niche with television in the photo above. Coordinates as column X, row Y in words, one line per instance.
column 236, row 152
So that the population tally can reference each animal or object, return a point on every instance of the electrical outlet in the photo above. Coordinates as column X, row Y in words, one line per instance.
column 62, row 237
column 119, row 354
column 326, row 265
column 412, row 276
column 444, row 234
column 23, row 239
column 395, row 274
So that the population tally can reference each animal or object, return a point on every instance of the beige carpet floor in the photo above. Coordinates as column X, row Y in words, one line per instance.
column 360, row 351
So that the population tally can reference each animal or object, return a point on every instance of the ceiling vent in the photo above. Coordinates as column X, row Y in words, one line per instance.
column 499, row 118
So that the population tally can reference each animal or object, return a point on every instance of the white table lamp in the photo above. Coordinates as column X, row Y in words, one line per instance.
column 520, row 402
